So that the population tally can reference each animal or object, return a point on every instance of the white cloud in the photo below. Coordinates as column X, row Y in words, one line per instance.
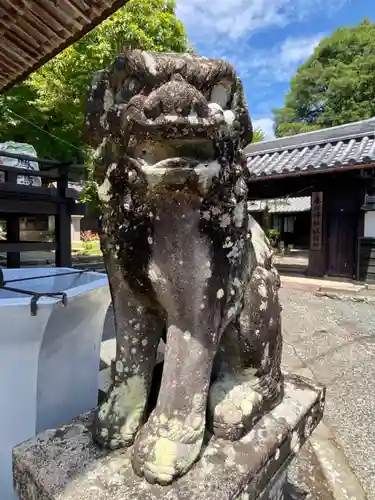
column 295, row 50
column 208, row 22
column 224, row 28
column 281, row 62
column 266, row 126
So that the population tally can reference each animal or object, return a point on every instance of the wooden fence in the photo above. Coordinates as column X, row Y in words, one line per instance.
column 17, row 201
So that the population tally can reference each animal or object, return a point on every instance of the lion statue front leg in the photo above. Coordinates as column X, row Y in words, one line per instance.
column 248, row 378
column 194, row 296
column 139, row 323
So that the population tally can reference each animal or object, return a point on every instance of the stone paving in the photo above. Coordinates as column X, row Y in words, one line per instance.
column 294, row 258
column 335, row 339
column 307, row 479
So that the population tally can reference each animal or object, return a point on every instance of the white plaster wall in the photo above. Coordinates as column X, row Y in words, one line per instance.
column 370, row 224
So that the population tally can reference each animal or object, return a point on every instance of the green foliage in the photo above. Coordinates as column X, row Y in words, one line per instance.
column 90, row 244
column 89, row 194
column 274, row 237
column 258, row 135
column 53, row 97
column 335, row 85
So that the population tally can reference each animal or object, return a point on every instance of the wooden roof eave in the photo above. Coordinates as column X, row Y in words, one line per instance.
column 34, row 31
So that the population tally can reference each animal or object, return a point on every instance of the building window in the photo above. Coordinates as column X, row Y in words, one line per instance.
column 289, row 224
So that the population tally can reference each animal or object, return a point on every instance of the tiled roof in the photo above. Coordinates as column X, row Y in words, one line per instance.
column 302, row 204
column 256, row 205
column 327, row 149
column 281, row 205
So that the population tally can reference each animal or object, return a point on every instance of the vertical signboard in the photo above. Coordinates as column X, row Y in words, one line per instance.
column 316, row 220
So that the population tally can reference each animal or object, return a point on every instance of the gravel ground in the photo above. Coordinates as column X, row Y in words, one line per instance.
column 336, row 341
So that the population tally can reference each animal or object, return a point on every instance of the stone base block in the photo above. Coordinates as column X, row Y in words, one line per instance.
column 64, row 464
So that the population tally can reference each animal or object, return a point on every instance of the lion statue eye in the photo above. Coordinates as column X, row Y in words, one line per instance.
column 220, row 95
column 129, row 88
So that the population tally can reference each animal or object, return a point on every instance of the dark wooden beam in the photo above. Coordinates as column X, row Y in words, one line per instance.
column 63, row 226
column 26, row 246
column 297, row 186
column 13, row 234
column 80, row 209
column 27, row 207
column 10, row 189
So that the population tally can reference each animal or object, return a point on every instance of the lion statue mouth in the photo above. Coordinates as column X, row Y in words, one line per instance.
column 176, row 130
column 176, row 127
column 176, row 162
column 173, row 116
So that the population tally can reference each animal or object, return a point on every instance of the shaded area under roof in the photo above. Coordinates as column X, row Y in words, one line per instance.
column 281, row 205
column 34, row 31
column 343, row 147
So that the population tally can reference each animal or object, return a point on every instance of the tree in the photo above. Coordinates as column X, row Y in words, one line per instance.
column 335, row 85
column 53, row 97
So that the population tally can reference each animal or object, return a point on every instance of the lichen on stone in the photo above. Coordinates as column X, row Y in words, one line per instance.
column 185, row 260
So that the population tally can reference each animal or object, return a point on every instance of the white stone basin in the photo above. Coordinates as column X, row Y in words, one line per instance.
column 49, row 363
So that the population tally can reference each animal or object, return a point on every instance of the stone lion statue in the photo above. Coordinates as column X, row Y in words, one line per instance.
column 184, row 259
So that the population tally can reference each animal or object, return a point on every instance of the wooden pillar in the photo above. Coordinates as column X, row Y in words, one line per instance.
column 13, row 229
column 13, row 236
column 62, row 224
column 266, row 220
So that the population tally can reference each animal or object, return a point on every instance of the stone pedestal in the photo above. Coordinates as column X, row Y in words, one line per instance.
column 64, row 464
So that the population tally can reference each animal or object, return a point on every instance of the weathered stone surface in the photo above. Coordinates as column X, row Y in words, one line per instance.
column 64, row 464
column 184, row 259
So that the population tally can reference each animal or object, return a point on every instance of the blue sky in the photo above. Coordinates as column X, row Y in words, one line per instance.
column 266, row 40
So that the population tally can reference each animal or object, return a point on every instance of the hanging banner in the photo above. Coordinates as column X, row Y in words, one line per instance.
column 316, row 220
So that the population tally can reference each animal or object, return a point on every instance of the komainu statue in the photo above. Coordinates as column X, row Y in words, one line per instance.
column 185, row 261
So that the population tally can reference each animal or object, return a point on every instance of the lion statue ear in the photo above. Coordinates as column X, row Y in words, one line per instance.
column 99, row 100
column 241, row 112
